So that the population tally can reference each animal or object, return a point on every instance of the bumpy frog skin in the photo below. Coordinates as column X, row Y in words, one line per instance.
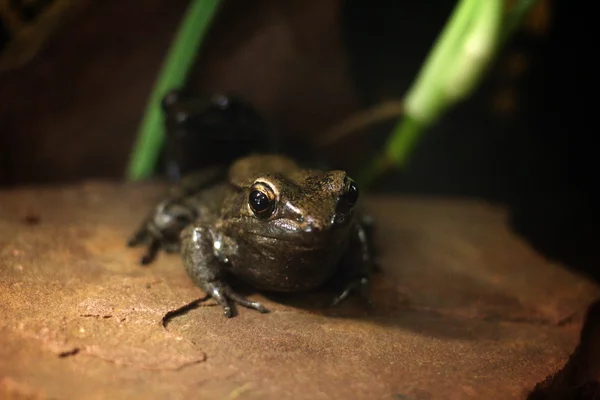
column 272, row 224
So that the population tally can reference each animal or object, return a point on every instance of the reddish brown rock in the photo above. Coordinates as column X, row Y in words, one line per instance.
column 464, row 309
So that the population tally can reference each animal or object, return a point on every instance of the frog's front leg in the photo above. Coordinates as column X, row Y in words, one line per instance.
column 204, row 268
column 143, row 236
column 362, row 264
column 161, row 228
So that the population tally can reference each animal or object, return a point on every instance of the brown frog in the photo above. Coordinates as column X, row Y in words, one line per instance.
column 276, row 226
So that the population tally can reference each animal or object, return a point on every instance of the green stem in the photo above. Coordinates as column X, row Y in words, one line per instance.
column 424, row 100
column 374, row 169
column 454, row 66
column 403, row 139
column 173, row 74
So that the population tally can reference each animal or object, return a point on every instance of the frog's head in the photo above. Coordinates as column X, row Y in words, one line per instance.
column 306, row 207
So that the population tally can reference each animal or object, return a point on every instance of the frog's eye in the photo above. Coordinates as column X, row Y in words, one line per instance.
column 261, row 200
column 352, row 193
column 349, row 198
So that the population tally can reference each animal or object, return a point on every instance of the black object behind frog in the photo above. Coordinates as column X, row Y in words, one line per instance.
column 214, row 130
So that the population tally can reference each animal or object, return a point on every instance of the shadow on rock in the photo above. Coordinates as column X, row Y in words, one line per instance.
column 580, row 377
column 390, row 305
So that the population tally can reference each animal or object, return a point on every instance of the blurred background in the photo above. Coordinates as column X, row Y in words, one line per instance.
column 75, row 78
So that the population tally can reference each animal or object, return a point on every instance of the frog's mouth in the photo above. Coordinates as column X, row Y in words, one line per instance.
column 300, row 239
column 288, row 249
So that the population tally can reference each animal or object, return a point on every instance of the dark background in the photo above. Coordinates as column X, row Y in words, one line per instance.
column 538, row 158
column 522, row 140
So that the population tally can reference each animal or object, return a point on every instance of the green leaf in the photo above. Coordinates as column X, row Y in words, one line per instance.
column 179, row 61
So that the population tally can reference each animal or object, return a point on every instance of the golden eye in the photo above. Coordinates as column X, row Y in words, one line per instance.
column 261, row 200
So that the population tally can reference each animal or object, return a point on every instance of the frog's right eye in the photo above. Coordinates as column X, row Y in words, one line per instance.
column 261, row 200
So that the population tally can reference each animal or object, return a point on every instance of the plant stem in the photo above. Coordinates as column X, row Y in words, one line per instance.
column 456, row 63
column 424, row 100
column 403, row 139
column 179, row 60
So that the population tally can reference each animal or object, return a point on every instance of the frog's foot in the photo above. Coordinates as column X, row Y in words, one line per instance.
column 154, row 244
column 142, row 236
column 151, row 252
column 360, row 285
column 138, row 237
column 223, row 293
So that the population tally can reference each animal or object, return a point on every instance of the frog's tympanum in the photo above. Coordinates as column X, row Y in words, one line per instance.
column 272, row 224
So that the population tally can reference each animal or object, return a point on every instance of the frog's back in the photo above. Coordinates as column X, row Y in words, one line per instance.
column 208, row 202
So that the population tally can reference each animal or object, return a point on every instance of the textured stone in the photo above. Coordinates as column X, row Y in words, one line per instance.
column 463, row 309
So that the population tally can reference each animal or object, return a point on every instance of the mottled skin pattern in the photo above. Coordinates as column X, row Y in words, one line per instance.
column 277, row 227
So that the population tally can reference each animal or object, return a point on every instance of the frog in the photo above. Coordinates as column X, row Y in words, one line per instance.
column 278, row 227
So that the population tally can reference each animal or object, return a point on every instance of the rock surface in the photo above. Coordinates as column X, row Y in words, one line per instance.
column 463, row 309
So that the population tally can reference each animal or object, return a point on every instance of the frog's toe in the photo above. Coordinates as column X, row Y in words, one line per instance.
column 241, row 300
column 227, row 312
column 341, row 297
column 216, row 292
column 223, row 293
column 147, row 259
column 359, row 285
column 135, row 241
column 138, row 237
column 258, row 307
column 151, row 253
column 261, row 309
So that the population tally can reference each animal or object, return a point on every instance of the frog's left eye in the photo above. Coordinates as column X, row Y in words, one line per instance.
column 261, row 200
column 351, row 194
column 348, row 199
